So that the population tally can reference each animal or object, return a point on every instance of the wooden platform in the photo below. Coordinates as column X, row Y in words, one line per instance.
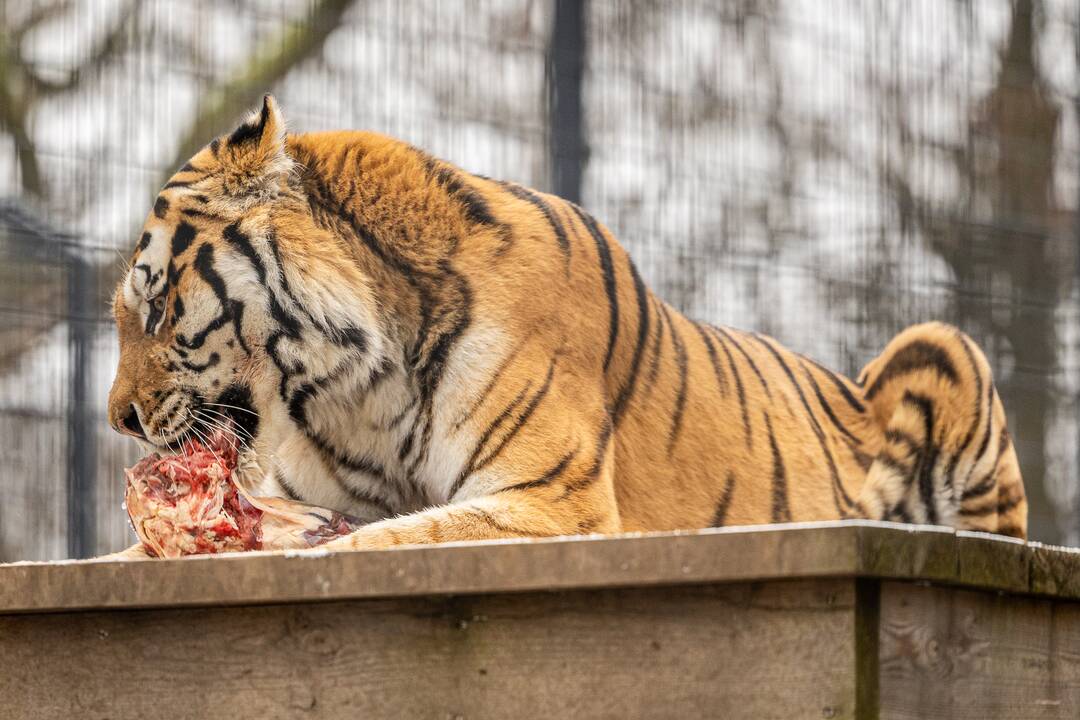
column 838, row 620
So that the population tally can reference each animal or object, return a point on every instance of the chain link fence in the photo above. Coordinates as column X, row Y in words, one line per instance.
column 825, row 172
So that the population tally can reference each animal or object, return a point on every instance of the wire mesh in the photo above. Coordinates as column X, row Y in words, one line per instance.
column 824, row 172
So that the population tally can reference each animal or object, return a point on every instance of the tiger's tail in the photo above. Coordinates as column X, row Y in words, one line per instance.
column 946, row 457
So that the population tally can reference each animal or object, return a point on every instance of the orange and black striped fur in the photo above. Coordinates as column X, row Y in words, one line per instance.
column 457, row 358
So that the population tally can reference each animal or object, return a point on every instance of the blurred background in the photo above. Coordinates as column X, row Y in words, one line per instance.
column 826, row 171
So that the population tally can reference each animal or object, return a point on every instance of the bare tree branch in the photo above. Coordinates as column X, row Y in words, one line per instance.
column 115, row 42
column 40, row 13
column 277, row 56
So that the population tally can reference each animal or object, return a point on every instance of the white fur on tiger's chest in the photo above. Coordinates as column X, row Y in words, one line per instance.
column 377, row 444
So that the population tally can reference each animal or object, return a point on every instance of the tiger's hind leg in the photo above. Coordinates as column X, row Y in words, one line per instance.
column 946, row 456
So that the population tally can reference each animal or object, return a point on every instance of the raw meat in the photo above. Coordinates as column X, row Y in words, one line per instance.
column 191, row 504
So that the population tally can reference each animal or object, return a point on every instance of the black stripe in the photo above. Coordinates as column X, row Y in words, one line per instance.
column 955, row 459
column 750, row 360
column 863, row 459
column 902, row 438
column 288, row 489
column 915, row 356
column 929, row 455
column 180, row 183
column 204, row 266
column 828, row 408
column 174, row 272
column 182, row 238
column 839, row 492
column 363, row 494
column 251, row 130
column 725, row 501
column 242, row 243
column 495, row 377
column 485, row 436
column 548, row 477
column 654, row 363
column 984, row 486
column 1001, row 506
column 540, row 204
column 215, row 145
column 1010, row 529
column 349, row 336
column 350, row 462
column 721, row 380
column 476, row 208
column 145, row 268
column 643, row 334
column 586, row 526
column 780, row 510
column 153, row 315
column 161, row 207
column 298, row 413
column 298, row 400
column 896, row 464
column 986, row 436
column 841, row 384
column 476, row 462
column 144, row 242
column 211, row 361
column 901, row 512
column 489, row 519
column 593, row 474
column 201, row 214
column 989, row 482
column 748, row 429
column 680, row 398
column 520, row 422
column 607, row 268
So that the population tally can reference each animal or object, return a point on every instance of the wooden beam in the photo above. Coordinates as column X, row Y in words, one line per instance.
column 833, row 620
column 958, row 654
column 806, row 550
column 779, row 650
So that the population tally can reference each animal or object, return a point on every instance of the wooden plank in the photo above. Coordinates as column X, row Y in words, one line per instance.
column 807, row 550
column 993, row 561
column 1055, row 571
column 750, row 650
column 810, row 550
column 951, row 653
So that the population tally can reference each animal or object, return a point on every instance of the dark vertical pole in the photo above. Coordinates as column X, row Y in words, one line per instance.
column 82, row 456
column 1076, row 475
column 567, row 148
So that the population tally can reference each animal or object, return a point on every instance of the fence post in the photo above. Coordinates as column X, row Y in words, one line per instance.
column 1075, row 530
column 568, row 151
column 82, row 430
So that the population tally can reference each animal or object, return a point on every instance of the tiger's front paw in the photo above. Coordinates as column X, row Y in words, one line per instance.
column 356, row 540
column 135, row 552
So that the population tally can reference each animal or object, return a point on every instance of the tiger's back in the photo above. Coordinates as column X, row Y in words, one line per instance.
column 716, row 426
column 454, row 358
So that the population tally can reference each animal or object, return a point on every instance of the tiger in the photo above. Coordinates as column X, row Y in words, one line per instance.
column 448, row 357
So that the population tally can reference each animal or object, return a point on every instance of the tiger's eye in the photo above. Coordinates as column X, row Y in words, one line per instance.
column 159, row 303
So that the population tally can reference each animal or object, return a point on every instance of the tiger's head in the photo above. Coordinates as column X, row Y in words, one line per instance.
column 236, row 296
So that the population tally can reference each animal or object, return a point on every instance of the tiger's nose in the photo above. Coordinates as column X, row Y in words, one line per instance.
column 130, row 425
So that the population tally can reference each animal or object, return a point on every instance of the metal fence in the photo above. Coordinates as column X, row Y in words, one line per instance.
column 825, row 172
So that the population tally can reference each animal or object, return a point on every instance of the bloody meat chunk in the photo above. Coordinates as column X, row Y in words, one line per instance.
column 191, row 504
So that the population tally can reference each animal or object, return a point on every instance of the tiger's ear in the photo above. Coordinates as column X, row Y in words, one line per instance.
column 253, row 157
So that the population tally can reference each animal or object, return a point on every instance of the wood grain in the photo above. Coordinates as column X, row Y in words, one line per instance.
column 950, row 653
column 775, row 650
column 847, row 549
